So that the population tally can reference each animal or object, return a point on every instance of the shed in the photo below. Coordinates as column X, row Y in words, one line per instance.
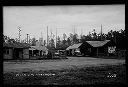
column 72, row 50
column 16, row 50
column 75, row 46
column 38, row 50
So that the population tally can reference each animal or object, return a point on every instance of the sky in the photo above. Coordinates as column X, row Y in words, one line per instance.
column 83, row 18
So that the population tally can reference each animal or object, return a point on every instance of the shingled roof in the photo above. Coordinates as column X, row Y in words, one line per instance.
column 92, row 43
column 16, row 45
column 43, row 48
column 74, row 46
column 98, row 43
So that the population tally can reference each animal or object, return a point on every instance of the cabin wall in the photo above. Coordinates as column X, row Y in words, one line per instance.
column 25, row 53
column 8, row 55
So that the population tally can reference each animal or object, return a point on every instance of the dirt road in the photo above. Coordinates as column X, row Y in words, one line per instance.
column 58, row 64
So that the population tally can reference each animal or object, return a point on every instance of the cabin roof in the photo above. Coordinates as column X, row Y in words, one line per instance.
column 98, row 43
column 43, row 48
column 92, row 43
column 74, row 46
column 16, row 45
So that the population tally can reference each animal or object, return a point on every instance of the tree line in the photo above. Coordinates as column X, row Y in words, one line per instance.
column 116, row 36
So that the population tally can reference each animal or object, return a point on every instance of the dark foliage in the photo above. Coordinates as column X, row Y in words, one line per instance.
column 118, row 37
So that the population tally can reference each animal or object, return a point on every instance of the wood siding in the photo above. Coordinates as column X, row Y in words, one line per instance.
column 10, row 55
column 25, row 53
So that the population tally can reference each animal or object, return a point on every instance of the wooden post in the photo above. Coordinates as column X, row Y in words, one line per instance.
column 19, row 32
column 97, row 52
column 13, row 53
column 52, row 55
column 47, row 36
column 22, row 55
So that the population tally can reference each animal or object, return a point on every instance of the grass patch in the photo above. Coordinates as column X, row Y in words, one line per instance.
column 113, row 74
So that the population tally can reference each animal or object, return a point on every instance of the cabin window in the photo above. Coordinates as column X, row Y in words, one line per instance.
column 89, row 49
column 6, row 51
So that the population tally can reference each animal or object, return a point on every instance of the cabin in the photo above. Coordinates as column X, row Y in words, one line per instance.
column 92, row 48
column 74, row 49
column 39, row 51
column 16, row 50
column 102, row 48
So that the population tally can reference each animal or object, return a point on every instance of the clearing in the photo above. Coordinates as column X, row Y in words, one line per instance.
column 59, row 64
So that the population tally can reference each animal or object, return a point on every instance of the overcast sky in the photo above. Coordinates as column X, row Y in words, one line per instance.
column 84, row 18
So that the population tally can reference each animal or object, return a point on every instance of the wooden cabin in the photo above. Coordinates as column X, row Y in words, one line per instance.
column 37, row 52
column 16, row 50
column 71, row 50
column 102, row 48
column 92, row 48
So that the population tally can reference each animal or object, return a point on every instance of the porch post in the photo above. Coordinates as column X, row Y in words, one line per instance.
column 97, row 51
column 32, row 52
column 39, row 53
column 23, row 53
column 13, row 53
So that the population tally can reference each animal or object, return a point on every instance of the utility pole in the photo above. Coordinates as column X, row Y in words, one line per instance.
column 56, row 38
column 51, row 34
column 81, row 35
column 19, row 32
column 27, row 38
column 81, row 32
column 101, row 33
column 41, row 39
column 74, row 33
column 74, row 29
column 47, row 36
column 115, row 36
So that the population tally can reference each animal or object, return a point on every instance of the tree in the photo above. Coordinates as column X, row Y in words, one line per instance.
column 94, row 35
column 52, row 44
column 16, row 39
column 75, row 38
column 64, row 42
column 5, row 38
column 119, row 38
column 33, row 41
column 58, row 41
column 64, row 36
column 109, row 35
column 71, row 38
column 68, row 41
column 44, row 42
column 11, row 41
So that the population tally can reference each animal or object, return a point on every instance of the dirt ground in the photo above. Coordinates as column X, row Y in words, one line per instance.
column 30, row 65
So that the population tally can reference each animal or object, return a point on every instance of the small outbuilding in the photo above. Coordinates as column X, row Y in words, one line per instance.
column 38, row 51
column 16, row 50
column 72, row 50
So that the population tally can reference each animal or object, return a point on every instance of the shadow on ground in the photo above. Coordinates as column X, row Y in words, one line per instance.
column 111, row 74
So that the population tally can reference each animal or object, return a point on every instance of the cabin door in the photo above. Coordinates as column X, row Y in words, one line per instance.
column 18, row 53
